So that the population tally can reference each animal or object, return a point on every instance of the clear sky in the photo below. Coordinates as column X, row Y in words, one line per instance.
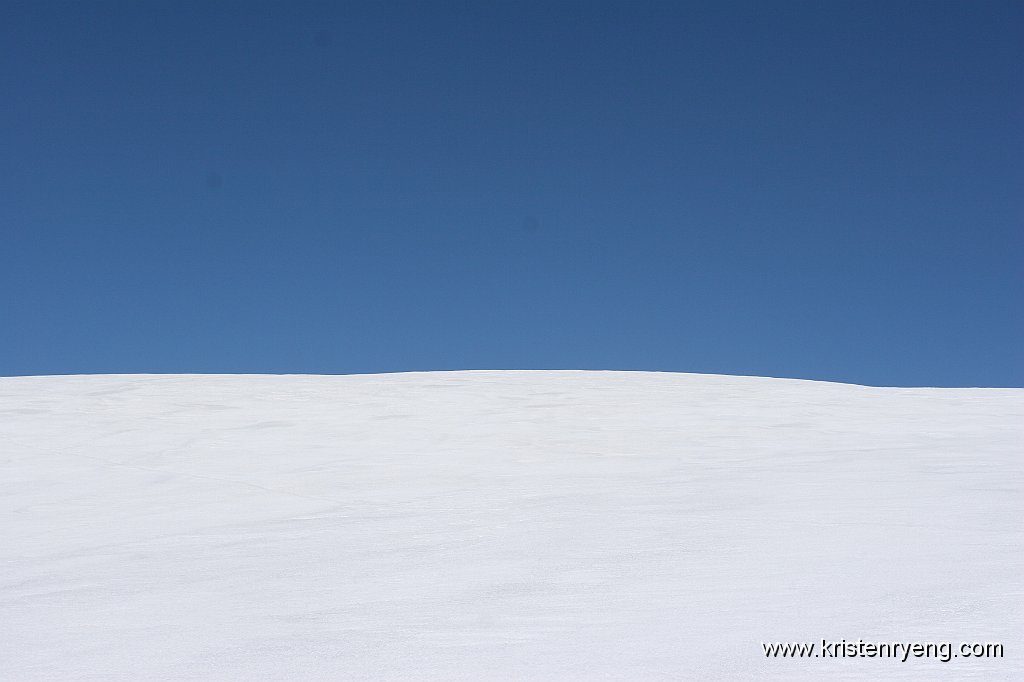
column 826, row 190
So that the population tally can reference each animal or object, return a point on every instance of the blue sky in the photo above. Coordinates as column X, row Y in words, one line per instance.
column 826, row 190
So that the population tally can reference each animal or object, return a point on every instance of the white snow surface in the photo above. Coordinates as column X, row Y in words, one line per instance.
column 503, row 525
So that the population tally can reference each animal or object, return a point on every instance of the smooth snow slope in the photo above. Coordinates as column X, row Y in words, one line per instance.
column 502, row 526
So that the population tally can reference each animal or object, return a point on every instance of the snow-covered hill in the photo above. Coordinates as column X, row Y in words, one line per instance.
column 503, row 526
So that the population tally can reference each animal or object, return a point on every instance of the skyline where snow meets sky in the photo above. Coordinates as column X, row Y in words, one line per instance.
column 822, row 190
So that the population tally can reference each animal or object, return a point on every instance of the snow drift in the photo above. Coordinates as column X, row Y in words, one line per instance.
column 503, row 526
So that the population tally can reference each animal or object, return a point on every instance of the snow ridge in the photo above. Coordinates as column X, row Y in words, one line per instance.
column 512, row 525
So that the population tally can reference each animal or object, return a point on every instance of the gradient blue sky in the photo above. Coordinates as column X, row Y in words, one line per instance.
column 828, row 190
